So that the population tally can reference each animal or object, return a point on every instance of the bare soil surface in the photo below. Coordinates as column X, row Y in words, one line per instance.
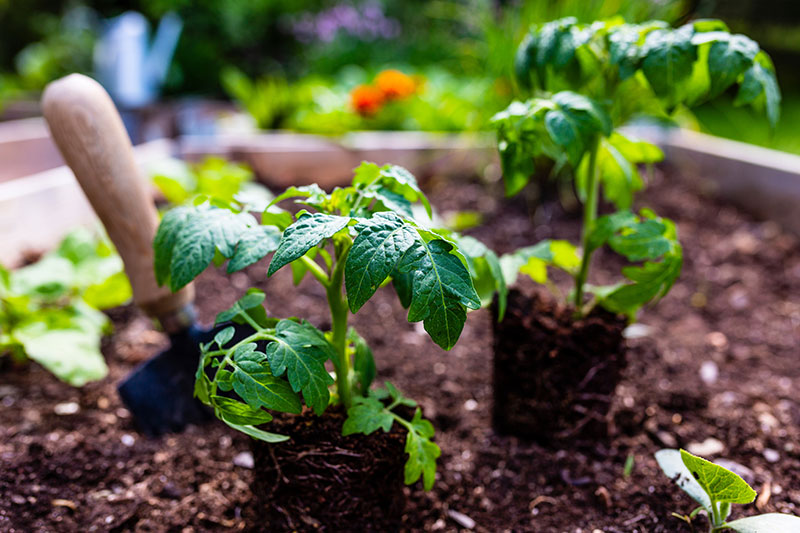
column 715, row 364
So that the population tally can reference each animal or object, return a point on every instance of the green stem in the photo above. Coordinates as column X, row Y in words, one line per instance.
column 339, row 314
column 316, row 270
column 402, row 421
column 589, row 218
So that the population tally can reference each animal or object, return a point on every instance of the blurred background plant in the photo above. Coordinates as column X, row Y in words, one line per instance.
column 294, row 63
column 181, row 182
column 50, row 310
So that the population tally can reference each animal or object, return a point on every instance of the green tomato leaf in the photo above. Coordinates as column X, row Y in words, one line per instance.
column 274, row 216
column 202, row 385
column 381, row 243
column 165, row 239
column 647, row 239
column 556, row 43
column 486, row 272
column 422, row 452
column 396, row 396
column 427, row 271
column 176, row 190
column 517, row 164
column 403, row 283
column 638, row 239
column 255, row 384
column 574, row 123
column 606, row 226
column 224, row 379
column 719, row 483
column 366, row 174
column 650, row 281
column 237, row 412
column 533, row 260
column 303, row 235
column 766, row 523
column 441, row 289
column 251, row 300
column 624, row 49
column 704, row 26
column 727, row 60
column 313, row 195
column 386, row 200
column 255, row 243
column 256, row 433
column 668, row 60
column 300, row 350
column 224, row 336
column 400, row 181
column 367, row 415
column 760, row 88
column 634, row 150
column 617, row 157
column 525, row 60
column 188, row 238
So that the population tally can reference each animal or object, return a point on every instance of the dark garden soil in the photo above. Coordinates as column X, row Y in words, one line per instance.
column 321, row 480
column 554, row 376
column 715, row 366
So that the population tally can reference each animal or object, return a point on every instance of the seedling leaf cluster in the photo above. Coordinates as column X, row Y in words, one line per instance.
column 49, row 310
column 352, row 241
column 588, row 80
column 715, row 489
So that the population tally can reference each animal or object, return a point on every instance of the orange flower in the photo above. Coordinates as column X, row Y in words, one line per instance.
column 366, row 99
column 395, row 85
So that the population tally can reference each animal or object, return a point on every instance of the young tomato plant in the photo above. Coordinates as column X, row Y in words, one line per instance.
column 49, row 310
column 588, row 80
column 353, row 241
column 716, row 488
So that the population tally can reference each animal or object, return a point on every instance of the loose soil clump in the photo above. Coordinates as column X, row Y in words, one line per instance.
column 322, row 481
column 554, row 375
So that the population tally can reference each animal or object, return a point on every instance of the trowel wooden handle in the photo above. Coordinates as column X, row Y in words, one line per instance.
column 89, row 133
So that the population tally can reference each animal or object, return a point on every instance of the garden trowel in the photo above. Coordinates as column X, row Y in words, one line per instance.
column 89, row 133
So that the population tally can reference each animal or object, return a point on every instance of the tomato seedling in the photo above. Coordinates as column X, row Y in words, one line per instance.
column 356, row 240
column 588, row 80
column 716, row 488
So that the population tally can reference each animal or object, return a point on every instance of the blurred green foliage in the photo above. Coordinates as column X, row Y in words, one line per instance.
column 723, row 119
column 214, row 177
column 297, row 38
column 49, row 310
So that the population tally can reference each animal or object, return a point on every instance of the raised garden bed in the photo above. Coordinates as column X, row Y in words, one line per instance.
column 37, row 210
column 26, row 148
column 718, row 361
column 281, row 159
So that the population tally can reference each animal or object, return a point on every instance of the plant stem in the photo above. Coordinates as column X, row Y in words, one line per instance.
column 339, row 315
column 316, row 270
column 589, row 218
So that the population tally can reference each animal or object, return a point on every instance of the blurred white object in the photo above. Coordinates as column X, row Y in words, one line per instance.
column 128, row 66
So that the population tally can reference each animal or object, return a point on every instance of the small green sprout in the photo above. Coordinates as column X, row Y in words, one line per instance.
column 715, row 488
